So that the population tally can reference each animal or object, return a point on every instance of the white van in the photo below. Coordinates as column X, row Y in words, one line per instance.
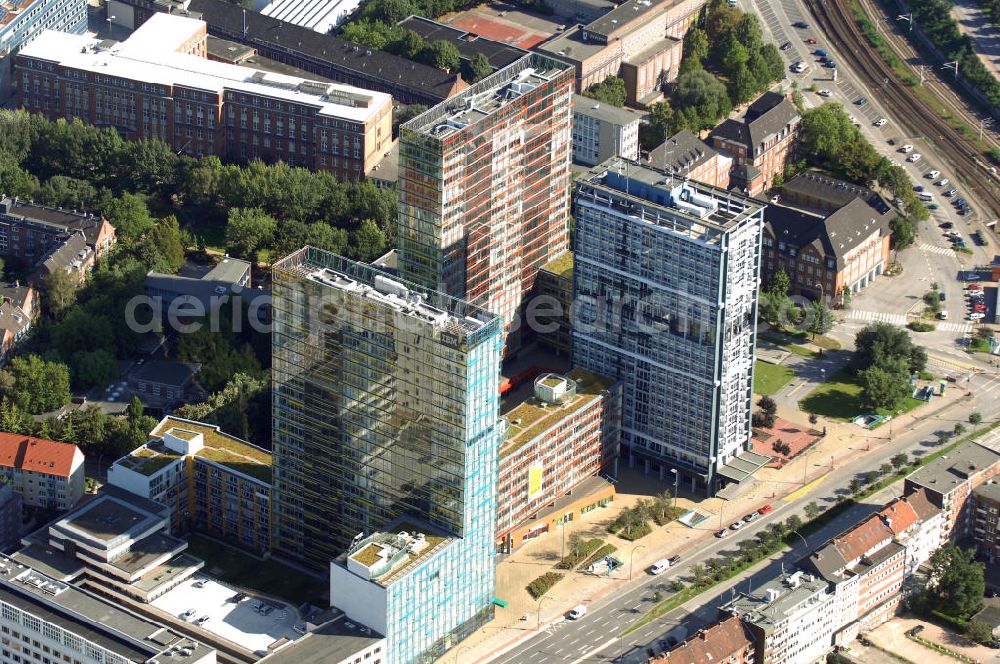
column 659, row 567
column 943, row 314
column 925, row 196
column 577, row 612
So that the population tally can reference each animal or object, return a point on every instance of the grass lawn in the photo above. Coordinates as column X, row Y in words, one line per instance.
column 979, row 345
column 270, row 577
column 838, row 397
column 802, row 351
column 769, row 378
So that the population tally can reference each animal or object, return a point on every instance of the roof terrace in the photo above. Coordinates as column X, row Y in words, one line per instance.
column 535, row 416
column 385, row 556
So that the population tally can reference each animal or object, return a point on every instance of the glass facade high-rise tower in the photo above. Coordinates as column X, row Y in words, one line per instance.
column 386, row 432
column 665, row 293
column 484, row 186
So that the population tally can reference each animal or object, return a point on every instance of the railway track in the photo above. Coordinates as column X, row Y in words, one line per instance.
column 915, row 115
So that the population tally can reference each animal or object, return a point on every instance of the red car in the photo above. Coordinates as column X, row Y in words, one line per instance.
column 973, row 287
column 810, row 41
column 765, row 509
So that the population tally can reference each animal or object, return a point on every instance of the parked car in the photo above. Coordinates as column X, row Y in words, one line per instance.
column 188, row 615
column 918, row 187
column 201, row 621
column 881, row 122
column 946, row 224
column 941, row 297
column 964, row 212
column 736, row 525
column 861, row 101
column 951, row 192
column 913, row 158
column 721, row 533
column 906, row 148
column 824, row 93
column 750, row 517
column 943, row 182
column 811, row 40
column 830, row 64
column 916, row 630
column 820, row 53
column 802, row 25
column 977, row 315
column 659, row 567
column 933, row 206
column 932, row 174
column 973, row 287
column 786, row 46
column 959, row 202
column 577, row 612
column 765, row 509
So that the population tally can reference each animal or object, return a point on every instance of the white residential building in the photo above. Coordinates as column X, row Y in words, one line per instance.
column 46, row 473
column 602, row 131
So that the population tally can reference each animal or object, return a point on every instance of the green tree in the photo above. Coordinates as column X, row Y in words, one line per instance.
column 899, row 461
column 812, row 510
column 609, row 91
column 242, row 408
column 792, row 523
column 884, row 385
column 695, row 49
column 248, row 231
column 956, row 584
column 733, row 56
column 885, row 469
column 478, row 68
column 59, row 289
column 92, row 368
column 367, row 242
column 975, row 418
column 879, row 342
column 854, row 486
column 979, row 631
column 443, row 55
column 129, row 215
column 822, row 318
column 769, row 410
column 410, row 112
column 12, row 419
column 743, row 86
column 700, row 100
column 779, row 283
column 959, row 429
column 903, row 232
column 40, row 385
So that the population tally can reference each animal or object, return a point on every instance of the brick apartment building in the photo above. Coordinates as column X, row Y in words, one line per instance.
column 34, row 234
column 826, row 253
column 687, row 156
column 322, row 54
column 159, row 84
column 19, row 306
column 726, row 642
column 986, row 520
column 865, row 567
column 759, row 142
column 639, row 41
column 47, row 473
column 948, row 482
column 565, row 432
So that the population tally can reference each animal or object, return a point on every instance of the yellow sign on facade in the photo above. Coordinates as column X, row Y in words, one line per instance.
column 534, row 481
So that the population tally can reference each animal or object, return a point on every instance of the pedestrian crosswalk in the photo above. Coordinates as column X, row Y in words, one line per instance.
column 880, row 316
column 960, row 328
column 901, row 320
column 930, row 248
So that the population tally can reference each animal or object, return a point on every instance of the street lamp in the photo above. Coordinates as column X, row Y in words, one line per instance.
column 822, row 293
column 801, row 538
column 631, row 556
column 677, row 478
column 538, row 614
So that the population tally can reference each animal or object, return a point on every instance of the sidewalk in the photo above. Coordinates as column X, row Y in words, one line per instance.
column 524, row 616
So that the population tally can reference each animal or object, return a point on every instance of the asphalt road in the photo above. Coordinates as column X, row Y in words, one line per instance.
column 595, row 637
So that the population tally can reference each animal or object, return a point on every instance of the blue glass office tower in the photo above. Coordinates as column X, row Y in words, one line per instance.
column 386, row 433
column 665, row 294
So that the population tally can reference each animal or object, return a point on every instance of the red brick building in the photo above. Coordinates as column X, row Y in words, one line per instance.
column 687, row 156
column 827, row 235
column 160, row 84
column 760, row 142
column 725, row 642
column 948, row 483
column 558, row 439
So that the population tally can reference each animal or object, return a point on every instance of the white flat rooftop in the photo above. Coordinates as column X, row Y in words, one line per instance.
column 138, row 62
column 238, row 623
column 318, row 15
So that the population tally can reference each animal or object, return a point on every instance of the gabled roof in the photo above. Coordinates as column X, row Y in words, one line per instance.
column 835, row 235
column 831, row 559
column 899, row 516
column 763, row 118
column 922, row 505
column 37, row 455
column 830, row 190
column 681, row 152
column 713, row 644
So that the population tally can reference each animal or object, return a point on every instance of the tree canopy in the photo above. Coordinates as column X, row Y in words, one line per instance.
column 956, row 584
column 39, row 385
column 609, row 91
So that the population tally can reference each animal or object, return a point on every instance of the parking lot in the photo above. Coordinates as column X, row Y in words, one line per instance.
column 239, row 623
